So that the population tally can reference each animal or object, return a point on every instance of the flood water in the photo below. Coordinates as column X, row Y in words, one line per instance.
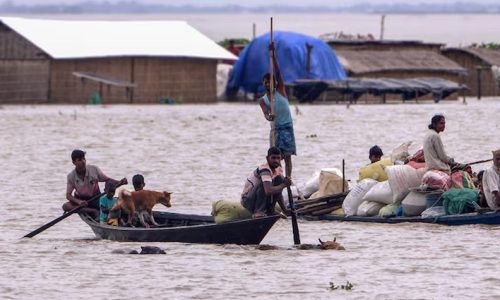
column 203, row 153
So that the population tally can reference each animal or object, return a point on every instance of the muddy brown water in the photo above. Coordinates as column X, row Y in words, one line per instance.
column 203, row 153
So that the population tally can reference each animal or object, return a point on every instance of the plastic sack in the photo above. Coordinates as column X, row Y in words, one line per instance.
column 388, row 211
column 226, row 211
column 416, row 165
column 380, row 193
column 433, row 212
column 295, row 193
column 338, row 212
column 311, row 186
column 330, row 182
column 369, row 209
column 401, row 179
column 401, row 152
column 375, row 171
column 355, row 196
column 436, row 180
column 414, row 204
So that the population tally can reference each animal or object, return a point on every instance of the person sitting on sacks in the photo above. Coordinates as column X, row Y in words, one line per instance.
column 435, row 156
column 264, row 185
column 491, row 183
column 375, row 154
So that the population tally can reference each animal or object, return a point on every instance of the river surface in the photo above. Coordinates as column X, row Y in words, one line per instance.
column 203, row 153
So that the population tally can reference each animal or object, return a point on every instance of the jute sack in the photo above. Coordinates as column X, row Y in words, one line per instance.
column 330, row 182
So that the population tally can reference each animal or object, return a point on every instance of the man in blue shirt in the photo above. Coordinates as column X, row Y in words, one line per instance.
column 284, row 137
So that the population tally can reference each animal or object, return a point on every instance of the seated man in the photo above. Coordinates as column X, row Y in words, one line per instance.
column 84, row 181
column 106, row 202
column 491, row 182
column 139, row 184
column 264, row 185
column 375, row 154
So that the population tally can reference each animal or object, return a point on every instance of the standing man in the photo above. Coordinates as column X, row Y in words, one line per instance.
column 84, row 181
column 234, row 50
column 265, row 184
column 284, row 137
column 435, row 156
column 491, row 182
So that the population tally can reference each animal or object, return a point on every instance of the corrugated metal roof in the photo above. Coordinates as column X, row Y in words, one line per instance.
column 63, row 39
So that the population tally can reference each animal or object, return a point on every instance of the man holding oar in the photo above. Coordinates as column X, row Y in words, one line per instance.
column 264, row 185
column 84, row 180
column 284, row 137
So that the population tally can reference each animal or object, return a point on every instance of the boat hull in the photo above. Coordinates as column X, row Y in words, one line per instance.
column 186, row 228
column 489, row 218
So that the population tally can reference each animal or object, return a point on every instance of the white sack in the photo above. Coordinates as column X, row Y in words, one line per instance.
column 380, row 193
column 355, row 196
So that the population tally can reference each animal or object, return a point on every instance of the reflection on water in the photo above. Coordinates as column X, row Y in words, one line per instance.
column 202, row 154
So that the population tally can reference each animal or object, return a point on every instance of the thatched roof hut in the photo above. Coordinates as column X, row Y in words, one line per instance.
column 396, row 60
column 59, row 61
column 483, row 67
column 383, row 45
column 398, row 64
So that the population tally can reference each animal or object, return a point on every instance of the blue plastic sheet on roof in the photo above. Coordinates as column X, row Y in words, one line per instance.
column 291, row 52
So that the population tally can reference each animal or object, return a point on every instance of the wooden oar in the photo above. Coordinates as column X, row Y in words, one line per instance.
column 479, row 162
column 64, row 216
column 295, row 225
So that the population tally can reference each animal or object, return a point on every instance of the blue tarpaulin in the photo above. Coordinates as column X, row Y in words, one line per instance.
column 291, row 52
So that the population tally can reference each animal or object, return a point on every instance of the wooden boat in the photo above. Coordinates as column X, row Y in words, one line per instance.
column 488, row 218
column 186, row 228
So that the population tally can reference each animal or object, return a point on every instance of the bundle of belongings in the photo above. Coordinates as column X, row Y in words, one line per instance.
column 328, row 181
column 402, row 186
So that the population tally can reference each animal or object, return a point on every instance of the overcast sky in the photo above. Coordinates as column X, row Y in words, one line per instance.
column 254, row 2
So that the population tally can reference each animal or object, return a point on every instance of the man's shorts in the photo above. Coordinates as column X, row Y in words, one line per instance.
column 284, row 139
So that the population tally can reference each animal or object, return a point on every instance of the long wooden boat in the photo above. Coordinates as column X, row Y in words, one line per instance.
column 187, row 228
column 488, row 218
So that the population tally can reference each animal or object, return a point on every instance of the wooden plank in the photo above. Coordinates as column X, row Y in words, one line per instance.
column 102, row 79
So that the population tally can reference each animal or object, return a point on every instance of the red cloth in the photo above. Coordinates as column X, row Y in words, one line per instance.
column 234, row 50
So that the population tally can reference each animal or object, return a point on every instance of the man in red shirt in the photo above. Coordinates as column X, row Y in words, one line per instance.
column 264, row 185
column 84, row 181
column 234, row 50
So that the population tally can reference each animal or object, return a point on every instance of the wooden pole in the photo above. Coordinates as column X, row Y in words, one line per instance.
column 343, row 175
column 382, row 27
column 271, row 87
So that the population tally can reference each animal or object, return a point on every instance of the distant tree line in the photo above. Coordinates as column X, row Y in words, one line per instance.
column 486, row 45
column 131, row 6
